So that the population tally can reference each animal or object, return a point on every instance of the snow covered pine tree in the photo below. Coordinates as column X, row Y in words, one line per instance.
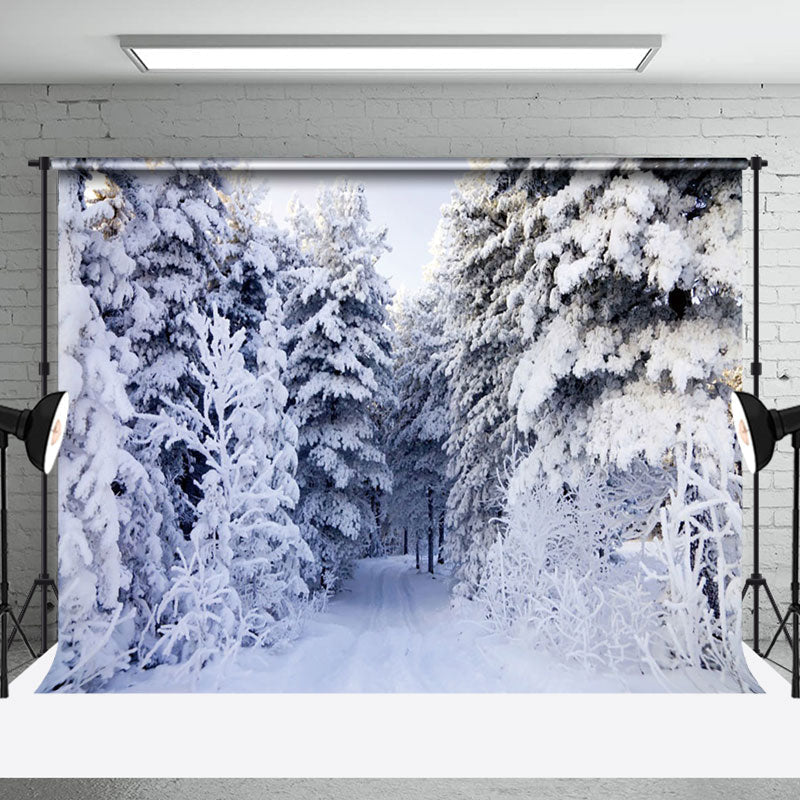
column 419, row 425
column 248, row 277
column 483, row 252
column 149, row 536
column 98, row 626
column 631, row 323
column 339, row 362
column 179, row 238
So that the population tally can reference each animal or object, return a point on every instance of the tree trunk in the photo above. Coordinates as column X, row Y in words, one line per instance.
column 405, row 541
column 416, row 543
column 441, row 538
column 430, row 530
column 376, row 545
column 378, row 523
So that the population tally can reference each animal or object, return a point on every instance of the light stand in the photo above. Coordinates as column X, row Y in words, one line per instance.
column 5, row 609
column 758, row 430
column 42, row 429
column 44, row 581
column 757, row 581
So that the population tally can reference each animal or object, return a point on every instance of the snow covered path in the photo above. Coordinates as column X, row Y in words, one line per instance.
column 392, row 629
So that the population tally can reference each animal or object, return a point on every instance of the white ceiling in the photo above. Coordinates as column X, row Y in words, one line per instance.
column 705, row 41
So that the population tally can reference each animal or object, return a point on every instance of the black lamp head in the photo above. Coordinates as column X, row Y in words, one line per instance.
column 754, row 430
column 759, row 428
column 41, row 428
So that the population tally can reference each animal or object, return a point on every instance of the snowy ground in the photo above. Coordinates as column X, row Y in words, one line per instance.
column 392, row 629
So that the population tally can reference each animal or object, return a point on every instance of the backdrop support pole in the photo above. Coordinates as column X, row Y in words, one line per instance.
column 44, row 581
column 756, row 580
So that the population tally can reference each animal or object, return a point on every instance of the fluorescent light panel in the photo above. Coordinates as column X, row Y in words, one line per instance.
column 426, row 59
column 391, row 53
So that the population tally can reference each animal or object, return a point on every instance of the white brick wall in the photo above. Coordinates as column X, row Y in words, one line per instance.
column 250, row 120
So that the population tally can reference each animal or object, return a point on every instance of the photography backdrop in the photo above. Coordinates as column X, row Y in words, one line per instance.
column 277, row 392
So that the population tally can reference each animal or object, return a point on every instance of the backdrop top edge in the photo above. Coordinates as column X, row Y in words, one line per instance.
column 395, row 164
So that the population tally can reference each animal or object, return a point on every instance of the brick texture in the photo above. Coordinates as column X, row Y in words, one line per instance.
column 255, row 120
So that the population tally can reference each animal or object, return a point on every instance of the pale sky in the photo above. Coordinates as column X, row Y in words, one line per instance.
column 408, row 203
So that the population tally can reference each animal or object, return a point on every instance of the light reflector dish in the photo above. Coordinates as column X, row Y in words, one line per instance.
column 743, row 433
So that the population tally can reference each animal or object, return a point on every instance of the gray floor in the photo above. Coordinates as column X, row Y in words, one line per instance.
column 19, row 658
column 780, row 658
column 390, row 789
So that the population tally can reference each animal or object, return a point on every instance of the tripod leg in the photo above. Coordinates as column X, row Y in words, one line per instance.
column 17, row 627
column 22, row 614
column 3, row 656
column 796, row 655
column 756, row 616
column 778, row 613
column 782, row 627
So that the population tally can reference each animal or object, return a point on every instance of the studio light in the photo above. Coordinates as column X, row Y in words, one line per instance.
column 42, row 430
column 758, row 429
column 390, row 53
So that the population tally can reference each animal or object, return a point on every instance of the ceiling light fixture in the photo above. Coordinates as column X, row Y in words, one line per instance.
column 390, row 53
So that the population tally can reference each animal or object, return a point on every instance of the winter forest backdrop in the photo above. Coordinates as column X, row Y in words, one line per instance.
column 289, row 468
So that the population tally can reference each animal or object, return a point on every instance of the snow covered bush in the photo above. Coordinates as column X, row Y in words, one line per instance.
column 555, row 579
column 698, row 552
column 244, row 540
column 199, row 621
